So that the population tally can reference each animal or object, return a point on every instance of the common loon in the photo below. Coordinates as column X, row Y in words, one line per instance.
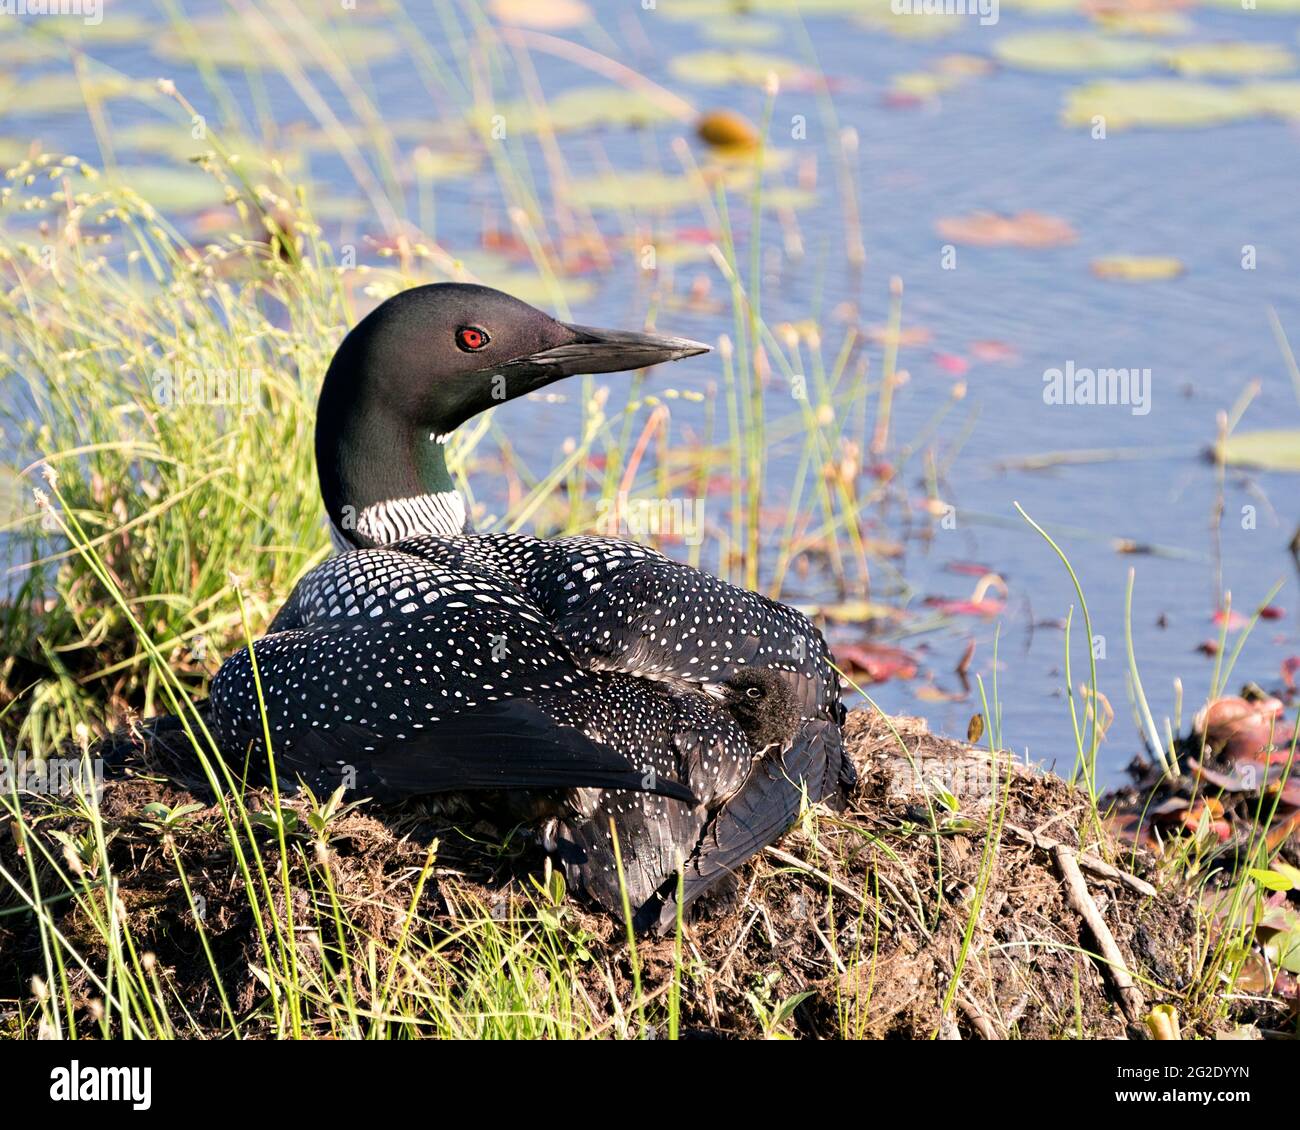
column 589, row 682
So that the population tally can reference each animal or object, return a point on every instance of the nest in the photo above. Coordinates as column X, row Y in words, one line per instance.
column 961, row 895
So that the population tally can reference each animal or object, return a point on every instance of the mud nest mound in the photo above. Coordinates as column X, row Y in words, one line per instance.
column 961, row 894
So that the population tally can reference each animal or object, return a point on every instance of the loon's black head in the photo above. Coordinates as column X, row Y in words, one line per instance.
column 428, row 359
column 763, row 705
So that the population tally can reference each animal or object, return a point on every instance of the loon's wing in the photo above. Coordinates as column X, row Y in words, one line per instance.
column 503, row 745
column 407, row 676
column 650, row 616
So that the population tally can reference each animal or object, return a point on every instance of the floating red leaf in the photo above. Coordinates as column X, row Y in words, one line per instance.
column 967, row 568
column 995, row 351
column 875, row 662
column 952, row 363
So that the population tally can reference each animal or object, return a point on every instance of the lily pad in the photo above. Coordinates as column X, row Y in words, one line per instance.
column 852, row 611
column 1124, row 22
column 680, row 252
column 1045, row 7
column 489, row 269
column 578, row 109
column 1025, row 229
column 966, row 66
column 1280, row 98
column 1272, row 449
column 692, row 10
column 787, row 197
column 442, row 165
column 1231, row 59
column 652, row 191
column 173, row 189
column 727, row 68
column 122, row 28
column 1276, row 7
column 1177, row 103
column 733, row 161
column 531, row 287
column 950, row 71
column 1137, row 268
column 736, row 33
column 1074, row 51
column 923, row 84
column 175, row 140
column 62, row 93
column 1155, row 102
column 24, row 50
column 12, row 151
column 236, row 44
column 880, row 16
column 644, row 190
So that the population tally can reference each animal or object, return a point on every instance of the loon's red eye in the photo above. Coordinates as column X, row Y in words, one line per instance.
column 471, row 339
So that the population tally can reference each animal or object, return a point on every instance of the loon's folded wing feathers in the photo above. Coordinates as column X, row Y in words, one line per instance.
column 411, row 675
column 510, row 744
column 623, row 607
column 657, row 618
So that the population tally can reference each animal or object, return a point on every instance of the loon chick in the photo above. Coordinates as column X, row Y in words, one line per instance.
column 712, row 750
column 428, row 658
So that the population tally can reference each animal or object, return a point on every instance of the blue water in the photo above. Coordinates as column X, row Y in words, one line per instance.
column 994, row 144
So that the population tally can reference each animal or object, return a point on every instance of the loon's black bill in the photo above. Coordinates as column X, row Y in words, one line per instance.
column 613, row 351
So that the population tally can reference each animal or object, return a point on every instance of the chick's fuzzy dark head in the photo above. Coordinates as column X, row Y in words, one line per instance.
column 763, row 705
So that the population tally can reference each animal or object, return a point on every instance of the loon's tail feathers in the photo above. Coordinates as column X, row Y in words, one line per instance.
column 159, row 744
column 506, row 745
column 762, row 809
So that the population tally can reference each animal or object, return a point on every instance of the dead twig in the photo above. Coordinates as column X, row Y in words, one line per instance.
column 981, row 1023
column 1090, row 863
column 1113, row 967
